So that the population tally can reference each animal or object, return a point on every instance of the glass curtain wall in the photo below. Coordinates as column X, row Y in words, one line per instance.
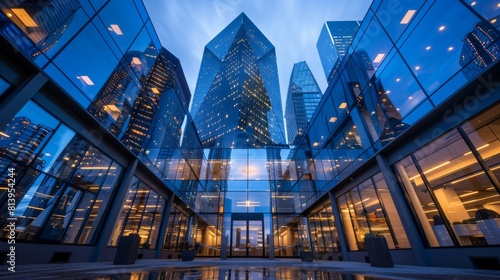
column 324, row 235
column 141, row 215
column 368, row 208
column 452, row 184
column 63, row 183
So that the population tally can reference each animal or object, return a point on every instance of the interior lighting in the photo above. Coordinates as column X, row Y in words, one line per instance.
column 480, row 148
column 115, row 28
column 379, row 57
column 86, row 80
column 432, row 169
column 408, row 16
column 24, row 17
column 441, row 28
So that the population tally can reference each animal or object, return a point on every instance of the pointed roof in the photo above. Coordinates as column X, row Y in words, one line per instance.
column 220, row 45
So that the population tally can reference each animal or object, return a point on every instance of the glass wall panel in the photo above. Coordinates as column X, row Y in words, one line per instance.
column 323, row 232
column 368, row 208
column 433, row 50
column 446, row 185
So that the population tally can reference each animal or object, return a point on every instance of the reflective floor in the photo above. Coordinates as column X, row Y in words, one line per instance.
column 238, row 269
column 243, row 273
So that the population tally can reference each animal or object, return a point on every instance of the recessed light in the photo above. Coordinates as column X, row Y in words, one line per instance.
column 473, row 3
column 343, row 105
column 417, row 68
column 441, row 28
column 450, row 48
column 387, row 92
column 493, row 20
column 398, row 79
column 86, row 80
column 428, row 48
column 407, row 16
column 498, row 5
column 115, row 28
column 379, row 57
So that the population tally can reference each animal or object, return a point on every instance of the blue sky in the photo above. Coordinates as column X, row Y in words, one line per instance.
column 292, row 26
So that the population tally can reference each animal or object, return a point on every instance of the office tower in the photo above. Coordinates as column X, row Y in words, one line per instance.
column 237, row 99
column 333, row 42
column 480, row 48
column 302, row 99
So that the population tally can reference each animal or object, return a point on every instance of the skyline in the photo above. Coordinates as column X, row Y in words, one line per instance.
column 207, row 18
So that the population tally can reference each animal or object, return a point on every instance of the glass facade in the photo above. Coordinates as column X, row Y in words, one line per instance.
column 403, row 144
column 302, row 99
column 453, row 195
column 333, row 44
column 239, row 64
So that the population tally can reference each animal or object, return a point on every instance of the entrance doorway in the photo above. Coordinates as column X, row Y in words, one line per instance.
column 247, row 235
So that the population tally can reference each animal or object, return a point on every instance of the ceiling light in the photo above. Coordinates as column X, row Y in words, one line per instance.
column 96, row 168
column 450, row 49
column 343, row 105
column 441, row 28
column 493, row 20
column 136, row 61
column 379, row 57
column 417, row 68
column 315, row 144
column 398, row 79
column 115, row 28
column 408, row 17
column 432, row 169
column 86, row 80
column 428, row 48
column 480, row 148
column 333, row 119
column 473, row 3
column 24, row 17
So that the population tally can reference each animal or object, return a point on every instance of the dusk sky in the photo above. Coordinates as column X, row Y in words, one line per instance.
column 185, row 27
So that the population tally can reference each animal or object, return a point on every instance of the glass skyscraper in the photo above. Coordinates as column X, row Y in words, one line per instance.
column 237, row 101
column 404, row 143
column 333, row 42
column 302, row 99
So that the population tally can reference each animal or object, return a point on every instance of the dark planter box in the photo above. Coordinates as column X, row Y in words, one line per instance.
column 378, row 252
column 128, row 247
column 306, row 256
column 188, row 255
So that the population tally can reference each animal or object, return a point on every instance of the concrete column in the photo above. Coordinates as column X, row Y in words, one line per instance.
column 338, row 225
column 163, row 226
column 411, row 230
column 16, row 100
column 113, row 214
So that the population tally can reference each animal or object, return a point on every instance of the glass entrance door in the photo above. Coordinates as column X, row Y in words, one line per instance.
column 247, row 238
